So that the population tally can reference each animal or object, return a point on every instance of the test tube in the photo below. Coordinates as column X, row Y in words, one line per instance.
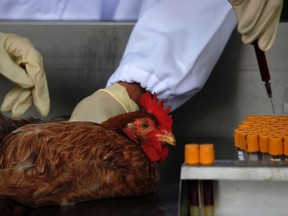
column 243, row 143
column 193, row 198
column 275, row 147
column 192, row 158
column 285, row 147
column 207, row 158
column 252, row 146
column 208, row 197
column 263, row 144
column 237, row 142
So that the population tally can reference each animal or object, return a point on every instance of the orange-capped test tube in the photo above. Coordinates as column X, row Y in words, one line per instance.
column 192, row 158
column 275, row 147
column 264, row 148
column 237, row 142
column 207, row 158
column 206, row 154
column 253, row 146
column 285, row 146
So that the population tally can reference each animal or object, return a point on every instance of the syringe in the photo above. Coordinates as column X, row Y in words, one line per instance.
column 264, row 71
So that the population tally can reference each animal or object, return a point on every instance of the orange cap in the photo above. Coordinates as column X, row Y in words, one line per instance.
column 268, row 116
column 244, row 126
column 275, row 145
column 206, row 154
column 247, row 122
column 192, row 154
column 282, row 118
column 253, row 116
column 252, row 142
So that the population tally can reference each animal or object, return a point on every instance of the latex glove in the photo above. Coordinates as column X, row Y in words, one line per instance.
column 258, row 19
column 103, row 104
column 22, row 64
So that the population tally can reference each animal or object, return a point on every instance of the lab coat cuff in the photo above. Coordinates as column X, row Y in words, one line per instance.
column 148, row 80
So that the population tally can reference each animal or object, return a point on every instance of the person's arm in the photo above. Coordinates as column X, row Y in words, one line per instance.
column 106, row 103
column 174, row 47
column 134, row 90
column 171, row 51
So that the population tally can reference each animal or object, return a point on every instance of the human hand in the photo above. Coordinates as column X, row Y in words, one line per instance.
column 258, row 19
column 103, row 104
column 22, row 64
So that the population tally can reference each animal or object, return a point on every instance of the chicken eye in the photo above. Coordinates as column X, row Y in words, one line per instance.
column 145, row 125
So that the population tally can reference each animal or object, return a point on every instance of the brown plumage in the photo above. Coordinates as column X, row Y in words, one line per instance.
column 68, row 162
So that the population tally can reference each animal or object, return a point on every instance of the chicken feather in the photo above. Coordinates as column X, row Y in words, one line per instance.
column 95, row 158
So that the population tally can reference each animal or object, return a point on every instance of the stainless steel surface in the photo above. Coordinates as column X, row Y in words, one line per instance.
column 79, row 58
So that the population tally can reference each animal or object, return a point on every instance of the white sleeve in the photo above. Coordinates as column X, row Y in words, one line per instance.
column 174, row 47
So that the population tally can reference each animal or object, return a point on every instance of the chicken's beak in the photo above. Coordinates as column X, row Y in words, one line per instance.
column 167, row 137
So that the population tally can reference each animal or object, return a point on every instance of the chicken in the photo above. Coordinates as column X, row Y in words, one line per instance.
column 64, row 162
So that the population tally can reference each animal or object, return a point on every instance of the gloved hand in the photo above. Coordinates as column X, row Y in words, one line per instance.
column 22, row 64
column 103, row 104
column 258, row 19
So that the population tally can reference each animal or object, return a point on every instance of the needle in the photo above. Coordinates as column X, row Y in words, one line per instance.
column 264, row 71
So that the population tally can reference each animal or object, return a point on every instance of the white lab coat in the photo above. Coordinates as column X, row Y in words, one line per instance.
column 110, row 10
column 172, row 49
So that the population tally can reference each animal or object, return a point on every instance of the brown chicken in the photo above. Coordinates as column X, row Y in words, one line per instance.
column 69, row 162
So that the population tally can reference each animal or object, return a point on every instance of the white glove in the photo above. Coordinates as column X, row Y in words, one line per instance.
column 258, row 19
column 103, row 104
column 22, row 64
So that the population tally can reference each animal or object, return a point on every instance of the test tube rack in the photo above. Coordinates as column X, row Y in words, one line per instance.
column 240, row 187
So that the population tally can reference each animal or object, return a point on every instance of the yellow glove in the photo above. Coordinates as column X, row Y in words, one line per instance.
column 22, row 64
column 258, row 19
column 103, row 104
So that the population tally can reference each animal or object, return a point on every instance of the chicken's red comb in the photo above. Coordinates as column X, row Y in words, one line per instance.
column 150, row 103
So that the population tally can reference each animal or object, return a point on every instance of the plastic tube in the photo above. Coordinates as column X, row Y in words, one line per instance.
column 193, row 198
column 285, row 147
column 263, row 144
column 253, row 146
column 207, row 158
column 275, row 148
column 237, row 142
column 270, row 130
column 192, row 158
column 243, row 143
